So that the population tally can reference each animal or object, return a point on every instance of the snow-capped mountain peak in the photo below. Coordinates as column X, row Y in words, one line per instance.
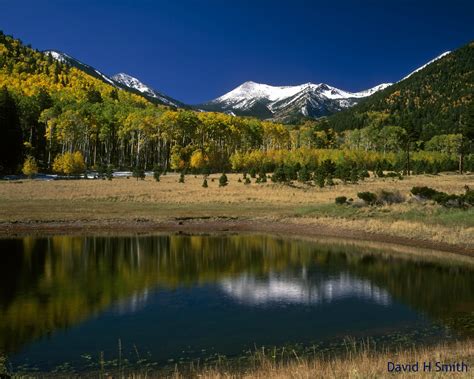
column 135, row 84
column 268, row 101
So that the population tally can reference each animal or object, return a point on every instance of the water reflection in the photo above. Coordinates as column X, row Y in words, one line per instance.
column 283, row 288
column 57, row 283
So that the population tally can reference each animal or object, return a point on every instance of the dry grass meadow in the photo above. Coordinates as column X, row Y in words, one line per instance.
column 299, row 204
column 359, row 363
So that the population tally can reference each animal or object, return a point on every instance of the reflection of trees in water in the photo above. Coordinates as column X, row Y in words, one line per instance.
column 53, row 283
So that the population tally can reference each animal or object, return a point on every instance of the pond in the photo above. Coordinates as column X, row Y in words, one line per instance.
column 175, row 297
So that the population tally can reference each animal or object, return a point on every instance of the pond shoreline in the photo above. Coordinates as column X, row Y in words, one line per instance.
column 290, row 227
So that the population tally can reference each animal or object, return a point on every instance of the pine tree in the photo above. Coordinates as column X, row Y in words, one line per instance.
column 223, row 181
column 11, row 140
column 109, row 172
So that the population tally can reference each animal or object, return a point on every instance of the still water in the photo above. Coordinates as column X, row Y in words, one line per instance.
column 179, row 297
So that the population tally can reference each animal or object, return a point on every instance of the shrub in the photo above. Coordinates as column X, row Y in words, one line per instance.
column 329, row 180
column 30, row 167
column 341, row 200
column 181, row 178
column 393, row 174
column 262, row 177
column 320, row 178
column 109, row 172
column 424, row 192
column 247, row 180
column 304, row 175
column 69, row 163
column 368, row 197
column 379, row 170
column 386, row 197
column 204, row 183
column 354, row 175
column 468, row 197
column 223, row 181
column 157, row 170
column 279, row 175
column 138, row 173
column 100, row 171
column 253, row 172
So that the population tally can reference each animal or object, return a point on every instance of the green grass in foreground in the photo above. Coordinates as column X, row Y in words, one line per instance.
column 434, row 215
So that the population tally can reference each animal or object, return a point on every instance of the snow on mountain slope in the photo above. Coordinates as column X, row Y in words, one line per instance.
column 309, row 99
column 63, row 57
column 422, row 67
column 122, row 81
column 133, row 83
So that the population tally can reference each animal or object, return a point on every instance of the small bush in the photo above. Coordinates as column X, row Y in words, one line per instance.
column 204, row 183
column 386, row 197
column 368, row 197
column 341, row 200
column 157, row 170
column 30, row 167
column 223, row 181
column 109, row 172
column 138, row 173
column 329, row 180
column 181, row 178
column 247, row 180
column 424, row 192
column 279, row 175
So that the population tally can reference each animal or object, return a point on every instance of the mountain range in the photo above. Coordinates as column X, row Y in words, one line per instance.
column 282, row 103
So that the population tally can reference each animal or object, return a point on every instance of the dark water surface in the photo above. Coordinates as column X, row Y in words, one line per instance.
column 175, row 297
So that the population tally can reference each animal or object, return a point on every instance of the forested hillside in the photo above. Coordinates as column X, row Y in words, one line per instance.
column 435, row 100
column 49, row 108
column 55, row 117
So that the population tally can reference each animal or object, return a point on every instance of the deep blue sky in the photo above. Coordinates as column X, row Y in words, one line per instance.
column 198, row 50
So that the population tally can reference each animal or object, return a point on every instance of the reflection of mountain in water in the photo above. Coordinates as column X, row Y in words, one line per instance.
column 133, row 303
column 284, row 288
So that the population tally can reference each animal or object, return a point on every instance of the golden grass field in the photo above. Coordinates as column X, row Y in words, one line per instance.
column 359, row 364
column 129, row 200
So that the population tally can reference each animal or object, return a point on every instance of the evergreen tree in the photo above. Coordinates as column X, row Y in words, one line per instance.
column 223, row 181
column 138, row 173
column 11, row 140
column 109, row 172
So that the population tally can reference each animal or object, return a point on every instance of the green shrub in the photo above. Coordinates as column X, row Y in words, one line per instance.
column 223, row 181
column 387, row 197
column 368, row 197
column 424, row 192
column 181, row 178
column 157, row 170
column 109, row 172
column 247, row 180
column 304, row 175
column 138, row 173
column 341, row 200
column 279, row 175
column 204, row 183
column 329, row 181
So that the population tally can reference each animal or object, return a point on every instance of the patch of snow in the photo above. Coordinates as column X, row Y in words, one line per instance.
column 132, row 82
column 422, row 67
